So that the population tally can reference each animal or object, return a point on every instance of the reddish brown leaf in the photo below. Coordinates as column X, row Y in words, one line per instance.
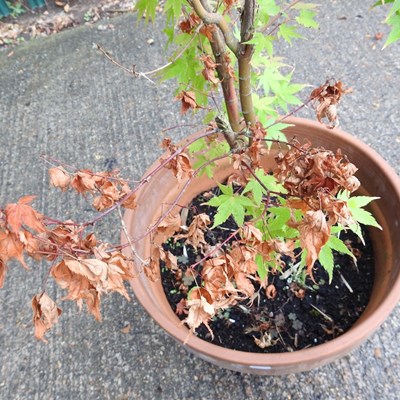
column 21, row 213
column 209, row 70
column 195, row 232
column 45, row 314
column 314, row 233
column 200, row 308
column 271, row 292
column 208, row 30
column 60, row 178
column 3, row 270
column 188, row 100
column 85, row 181
column 11, row 247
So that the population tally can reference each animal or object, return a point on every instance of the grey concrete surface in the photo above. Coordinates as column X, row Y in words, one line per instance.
column 60, row 97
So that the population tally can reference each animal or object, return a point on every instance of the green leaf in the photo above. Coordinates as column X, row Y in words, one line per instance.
column 268, row 7
column 146, row 8
column 229, row 203
column 274, row 132
column 173, row 10
column 364, row 217
column 337, row 244
column 262, row 269
column 306, row 18
column 395, row 9
column 325, row 257
column 360, row 201
column 394, row 35
column 268, row 183
column 197, row 146
column 288, row 33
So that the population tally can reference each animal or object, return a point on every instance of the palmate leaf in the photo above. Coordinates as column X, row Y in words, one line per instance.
column 327, row 261
column 146, row 8
column 229, row 203
column 306, row 18
column 268, row 183
column 288, row 33
column 326, row 258
column 360, row 215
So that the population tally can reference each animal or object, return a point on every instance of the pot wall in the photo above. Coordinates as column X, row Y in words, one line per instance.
column 378, row 179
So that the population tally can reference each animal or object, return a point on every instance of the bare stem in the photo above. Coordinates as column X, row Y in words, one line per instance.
column 244, row 56
column 132, row 247
column 273, row 20
column 223, row 68
column 210, row 18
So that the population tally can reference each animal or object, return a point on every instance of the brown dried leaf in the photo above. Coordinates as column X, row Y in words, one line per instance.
column 3, row 270
column 326, row 99
column 195, row 233
column 181, row 307
column 126, row 329
column 314, row 233
column 60, row 178
column 190, row 23
column 171, row 262
column 45, row 314
column 21, row 213
column 201, row 309
column 168, row 226
column 11, row 247
column 244, row 284
column 188, row 100
column 209, row 70
column 271, row 292
column 85, row 181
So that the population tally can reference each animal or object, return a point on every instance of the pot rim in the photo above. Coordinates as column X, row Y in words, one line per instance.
column 345, row 342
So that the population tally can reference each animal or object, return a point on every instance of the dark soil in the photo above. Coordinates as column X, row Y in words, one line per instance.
column 287, row 322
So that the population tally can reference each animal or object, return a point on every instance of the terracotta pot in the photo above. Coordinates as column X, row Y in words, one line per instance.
column 378, row 179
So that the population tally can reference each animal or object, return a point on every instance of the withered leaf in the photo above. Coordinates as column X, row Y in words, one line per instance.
column 188, row 100
column 45, row 314
column 3, row 270
column 60, row 178
column 200, row 311
column 21, row 213
column 11, row 247
column 314, row 233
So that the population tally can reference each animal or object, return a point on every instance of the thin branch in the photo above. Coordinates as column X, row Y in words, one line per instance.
column 225, row 76
column 277, row 16
column 244, row 56
column 145, row 74
column 215, row 249
column 218, row 19
column 180, row 194
column 144, row 263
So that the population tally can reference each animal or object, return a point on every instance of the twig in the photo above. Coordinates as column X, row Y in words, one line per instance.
column 327, row 317
column 277, row 16
column 346, row 283
column 145, row 74
column 144, row 263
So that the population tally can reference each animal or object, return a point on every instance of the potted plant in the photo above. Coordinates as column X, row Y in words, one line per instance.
column 282, row 185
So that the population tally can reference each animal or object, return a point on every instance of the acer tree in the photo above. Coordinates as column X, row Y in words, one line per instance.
column 225, row 67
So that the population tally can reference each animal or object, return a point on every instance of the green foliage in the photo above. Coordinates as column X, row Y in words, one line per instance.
column 326, row 254
column 259, row 186
column 16, row 8
column 146, row 9
column 392, row 19
column 204, row 154
column 359, row 215
column 229, row 203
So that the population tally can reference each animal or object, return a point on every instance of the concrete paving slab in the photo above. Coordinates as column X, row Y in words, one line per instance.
column 60, row 97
